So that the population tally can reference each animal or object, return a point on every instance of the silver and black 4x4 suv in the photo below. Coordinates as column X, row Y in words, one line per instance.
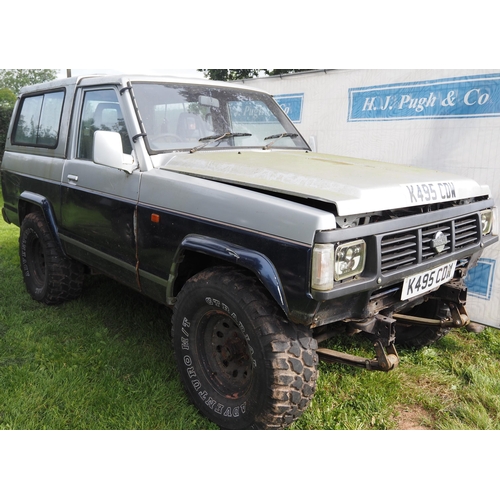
column 204, row 197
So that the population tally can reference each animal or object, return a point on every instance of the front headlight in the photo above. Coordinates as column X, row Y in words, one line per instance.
column 486, row 221
column 331, row 264
column 494, row 221
column 349, row 259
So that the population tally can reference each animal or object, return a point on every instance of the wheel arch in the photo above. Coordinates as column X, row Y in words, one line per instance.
column 196, row 253
column 30, row 202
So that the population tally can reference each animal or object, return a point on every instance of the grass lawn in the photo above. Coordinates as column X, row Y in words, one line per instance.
column 105, row 361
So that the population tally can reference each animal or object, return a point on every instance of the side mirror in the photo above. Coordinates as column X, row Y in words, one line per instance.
column 108, row 151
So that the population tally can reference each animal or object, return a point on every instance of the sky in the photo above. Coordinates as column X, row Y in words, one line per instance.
column 356, row 34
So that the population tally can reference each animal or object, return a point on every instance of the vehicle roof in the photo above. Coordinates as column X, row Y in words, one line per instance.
column 123, row 79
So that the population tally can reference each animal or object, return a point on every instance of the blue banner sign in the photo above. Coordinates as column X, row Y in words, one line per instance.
column 479, row 279
column 291, row 105
column 461, row 97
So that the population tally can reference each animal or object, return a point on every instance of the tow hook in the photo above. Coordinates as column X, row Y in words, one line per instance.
column 386, row 358
column 459, row 315
column 382, row 329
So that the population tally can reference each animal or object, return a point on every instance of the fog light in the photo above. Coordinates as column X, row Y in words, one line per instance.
column 350, row 259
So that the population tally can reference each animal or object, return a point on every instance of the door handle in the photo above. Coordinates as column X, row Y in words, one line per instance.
column 72, row 179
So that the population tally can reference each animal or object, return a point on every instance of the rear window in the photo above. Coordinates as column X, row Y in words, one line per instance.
column 38, row 120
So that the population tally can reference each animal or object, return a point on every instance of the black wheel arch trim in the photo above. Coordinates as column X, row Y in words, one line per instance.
column 252, row 260
column 27, row 197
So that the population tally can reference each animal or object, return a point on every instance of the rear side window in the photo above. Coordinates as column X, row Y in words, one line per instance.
column 39, row 119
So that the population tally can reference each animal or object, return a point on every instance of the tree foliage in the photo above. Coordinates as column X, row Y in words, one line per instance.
column 242, row 74
column 229, row 74
column 7, row 101
column 15, row 79
column 7, row 98
column 274, row 72
column 5, row 114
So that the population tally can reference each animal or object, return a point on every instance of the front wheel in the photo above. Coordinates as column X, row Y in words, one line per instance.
column 410, row 335
column 242, row 363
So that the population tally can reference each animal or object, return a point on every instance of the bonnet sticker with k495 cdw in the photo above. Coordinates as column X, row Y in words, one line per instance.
column 430, row 192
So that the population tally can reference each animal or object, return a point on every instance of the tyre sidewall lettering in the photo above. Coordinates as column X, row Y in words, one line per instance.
column 211, row 403
column 196, row 379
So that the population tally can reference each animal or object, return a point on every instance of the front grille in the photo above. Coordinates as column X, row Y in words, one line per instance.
column 399, row 250
column 413, row 246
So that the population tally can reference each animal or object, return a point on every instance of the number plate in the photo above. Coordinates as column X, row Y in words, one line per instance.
column 427, row 281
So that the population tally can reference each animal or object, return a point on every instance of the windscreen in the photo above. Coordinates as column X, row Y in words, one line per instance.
column 182, row 116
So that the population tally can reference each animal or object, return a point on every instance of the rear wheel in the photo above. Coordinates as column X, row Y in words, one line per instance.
column 242, row 363
column 49, row 276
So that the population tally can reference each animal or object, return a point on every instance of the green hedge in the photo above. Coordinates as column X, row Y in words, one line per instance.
column 5, row 114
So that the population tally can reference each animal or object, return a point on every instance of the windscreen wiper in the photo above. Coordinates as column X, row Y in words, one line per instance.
column 277, row 137
column 215, row 138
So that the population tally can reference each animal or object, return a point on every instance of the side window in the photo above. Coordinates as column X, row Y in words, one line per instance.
column 39, row 119
column 100, row 111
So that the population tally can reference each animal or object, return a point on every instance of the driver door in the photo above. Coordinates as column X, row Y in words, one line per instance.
column 99, row 202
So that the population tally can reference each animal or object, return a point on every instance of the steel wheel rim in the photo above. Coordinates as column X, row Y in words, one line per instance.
column 225, row 354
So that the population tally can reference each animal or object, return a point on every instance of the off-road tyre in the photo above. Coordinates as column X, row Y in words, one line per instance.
column 50, row 277
column 242, row 363
column 420, row 335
